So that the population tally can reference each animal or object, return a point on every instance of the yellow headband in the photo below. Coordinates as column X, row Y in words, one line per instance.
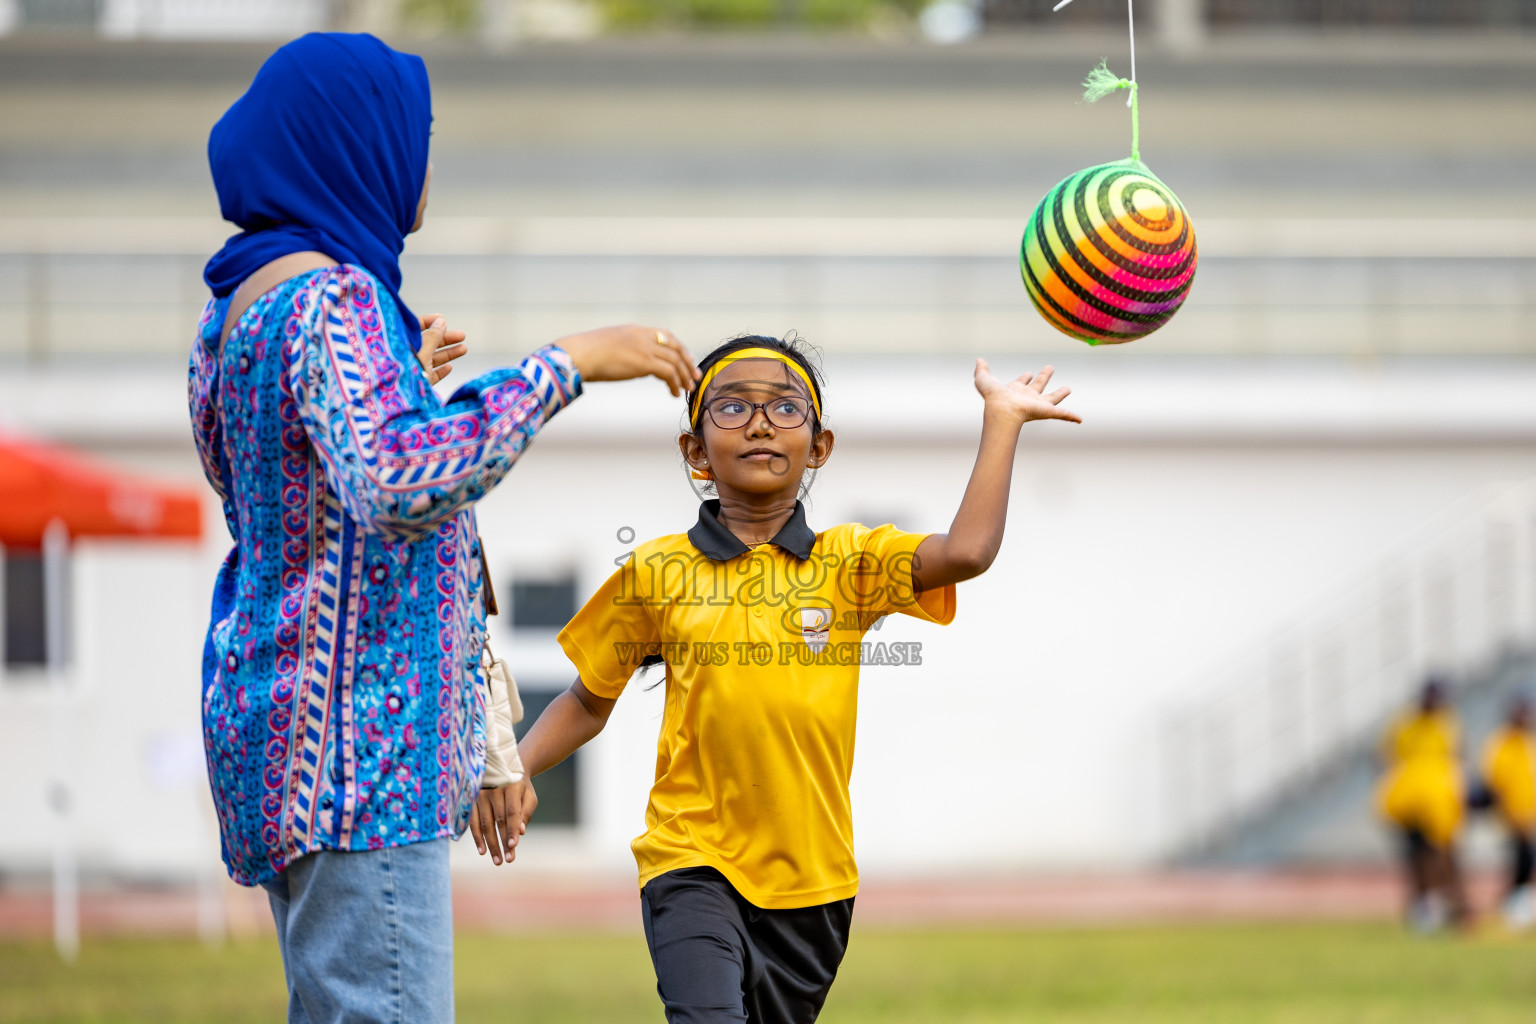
column 750, row 353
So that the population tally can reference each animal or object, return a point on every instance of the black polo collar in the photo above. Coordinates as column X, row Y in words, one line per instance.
column 717, row 542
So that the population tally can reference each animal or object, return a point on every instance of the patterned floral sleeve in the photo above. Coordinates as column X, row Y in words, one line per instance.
column 402, row 461
column 202, row 401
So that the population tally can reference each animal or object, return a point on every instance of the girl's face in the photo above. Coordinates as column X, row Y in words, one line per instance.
column 758, row 461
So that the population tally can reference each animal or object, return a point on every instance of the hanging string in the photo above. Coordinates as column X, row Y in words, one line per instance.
column 1130, row 21
column 1101, row 81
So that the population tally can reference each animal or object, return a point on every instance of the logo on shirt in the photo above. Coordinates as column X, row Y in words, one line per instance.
column 816, row 627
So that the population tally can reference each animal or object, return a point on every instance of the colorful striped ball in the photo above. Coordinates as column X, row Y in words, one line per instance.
column 1109, row 255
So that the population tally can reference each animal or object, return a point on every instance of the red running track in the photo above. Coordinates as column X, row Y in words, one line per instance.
column 541, row 904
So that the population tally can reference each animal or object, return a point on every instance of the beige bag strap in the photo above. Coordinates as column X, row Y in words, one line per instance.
column 264, row 278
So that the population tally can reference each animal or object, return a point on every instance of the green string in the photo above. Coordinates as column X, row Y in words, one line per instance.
column 1135, row 123
column 1100, row 83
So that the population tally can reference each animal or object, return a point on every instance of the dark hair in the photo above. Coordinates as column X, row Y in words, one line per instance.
column 791, row 345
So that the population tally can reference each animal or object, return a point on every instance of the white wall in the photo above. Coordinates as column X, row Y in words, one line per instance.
column 211, row 19
column 134, row 768
column 1137, row 556
column 1180, row 523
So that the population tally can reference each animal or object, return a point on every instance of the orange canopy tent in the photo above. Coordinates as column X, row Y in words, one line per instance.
column 43, row 483
column 49, row 496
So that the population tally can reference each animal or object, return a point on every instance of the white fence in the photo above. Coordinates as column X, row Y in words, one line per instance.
column 173, row 19
column 1454, row 598
column 132, row 287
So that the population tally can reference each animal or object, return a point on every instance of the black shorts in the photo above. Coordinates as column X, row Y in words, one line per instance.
column 721, row 960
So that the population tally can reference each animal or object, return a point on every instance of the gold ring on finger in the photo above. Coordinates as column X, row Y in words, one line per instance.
column 661, row 339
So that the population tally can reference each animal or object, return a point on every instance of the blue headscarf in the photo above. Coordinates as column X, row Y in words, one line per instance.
column 327, row 150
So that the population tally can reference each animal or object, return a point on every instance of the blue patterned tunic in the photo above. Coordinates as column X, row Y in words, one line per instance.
column 342, row 702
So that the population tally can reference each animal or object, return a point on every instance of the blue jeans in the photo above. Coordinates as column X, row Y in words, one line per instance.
column 367, row 937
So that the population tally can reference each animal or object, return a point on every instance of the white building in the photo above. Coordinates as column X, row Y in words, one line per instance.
column 1203, row 501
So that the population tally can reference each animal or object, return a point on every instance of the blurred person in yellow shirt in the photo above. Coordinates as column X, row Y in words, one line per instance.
column 1423, row 795
column 1509, row 772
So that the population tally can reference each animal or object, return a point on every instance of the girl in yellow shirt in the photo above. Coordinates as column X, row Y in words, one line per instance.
column 1423, row 794
column 746, row 864
column 1509, row 771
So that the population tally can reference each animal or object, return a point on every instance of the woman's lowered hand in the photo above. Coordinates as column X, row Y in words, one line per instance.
column 500, row 817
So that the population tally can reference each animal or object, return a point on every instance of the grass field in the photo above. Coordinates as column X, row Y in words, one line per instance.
column 1359, row 974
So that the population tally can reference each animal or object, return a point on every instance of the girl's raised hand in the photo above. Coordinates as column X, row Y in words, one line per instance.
column 632, row 350
column 1023, row 397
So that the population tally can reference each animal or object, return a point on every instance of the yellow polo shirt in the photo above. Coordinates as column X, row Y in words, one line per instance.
column 1423, row 786
column 1509, row 769
column 762, row 647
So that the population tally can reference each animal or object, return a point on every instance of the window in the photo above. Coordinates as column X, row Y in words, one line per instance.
column 60, row 13
column 26, row 619
column 540, row 606
column 559, row 788
column 543, row 604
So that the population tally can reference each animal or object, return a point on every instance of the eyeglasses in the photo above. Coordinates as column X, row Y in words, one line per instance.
column 786, row 413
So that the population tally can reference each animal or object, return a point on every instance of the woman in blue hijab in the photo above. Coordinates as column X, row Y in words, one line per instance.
column 343, row 705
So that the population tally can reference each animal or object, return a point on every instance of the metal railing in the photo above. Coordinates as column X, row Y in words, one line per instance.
column 1456, row 597
column 1361, row 289
column 1299, row 13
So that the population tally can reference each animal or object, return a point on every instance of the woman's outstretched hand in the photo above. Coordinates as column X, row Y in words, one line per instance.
column 500, row 816
column 1023, row 397
column 439, row 347
column 632, row 350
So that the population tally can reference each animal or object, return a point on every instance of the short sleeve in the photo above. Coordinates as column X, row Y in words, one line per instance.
column 876, row 577
column 611, row 635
